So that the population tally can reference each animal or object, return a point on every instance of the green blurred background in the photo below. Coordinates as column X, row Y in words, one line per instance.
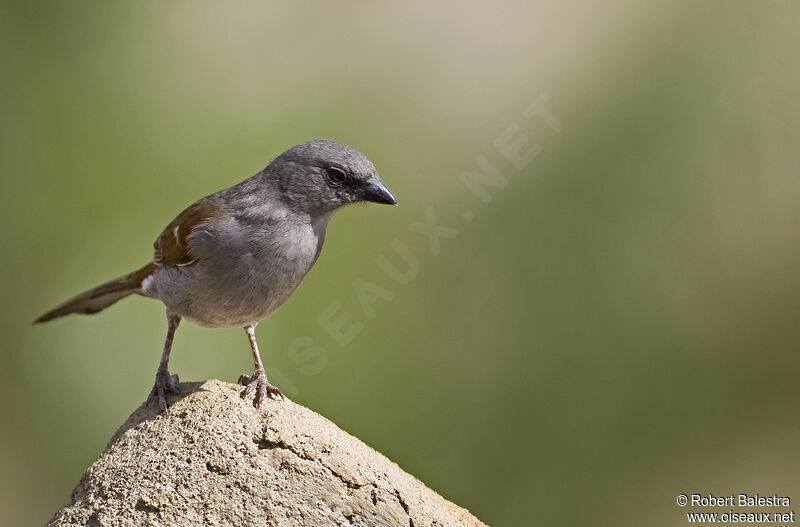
column 618, row 325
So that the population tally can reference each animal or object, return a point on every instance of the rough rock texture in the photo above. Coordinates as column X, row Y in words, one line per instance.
column 213, row 459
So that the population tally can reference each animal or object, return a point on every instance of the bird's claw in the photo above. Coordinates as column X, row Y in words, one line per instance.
column 164, row 383
column 258, row 383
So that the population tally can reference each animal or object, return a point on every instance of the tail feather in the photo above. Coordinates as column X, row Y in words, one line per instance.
column 102, row 296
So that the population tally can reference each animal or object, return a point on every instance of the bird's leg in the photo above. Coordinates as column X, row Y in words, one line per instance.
column 164, row 381
column 259, row 380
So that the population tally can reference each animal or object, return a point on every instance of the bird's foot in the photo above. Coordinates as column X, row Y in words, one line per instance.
column 164, row 383
column 258, row 383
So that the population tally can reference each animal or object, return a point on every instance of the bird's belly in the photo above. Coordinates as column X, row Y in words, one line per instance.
column 231, row 292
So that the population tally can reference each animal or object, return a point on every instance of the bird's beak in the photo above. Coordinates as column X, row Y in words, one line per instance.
column 376, row 192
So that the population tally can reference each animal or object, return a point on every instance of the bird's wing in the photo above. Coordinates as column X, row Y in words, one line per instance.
column 171, row 247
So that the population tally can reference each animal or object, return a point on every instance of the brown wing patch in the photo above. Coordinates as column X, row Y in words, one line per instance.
column 171, row 247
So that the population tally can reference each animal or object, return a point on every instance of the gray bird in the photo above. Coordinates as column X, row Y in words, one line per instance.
column 235, row 256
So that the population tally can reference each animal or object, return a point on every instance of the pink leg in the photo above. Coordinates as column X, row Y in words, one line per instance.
column 164, row 381
column 259, row 380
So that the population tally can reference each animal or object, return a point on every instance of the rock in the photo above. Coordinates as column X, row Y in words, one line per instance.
column 213, row 459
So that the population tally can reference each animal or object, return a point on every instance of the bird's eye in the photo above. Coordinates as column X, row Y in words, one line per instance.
column 336, row 175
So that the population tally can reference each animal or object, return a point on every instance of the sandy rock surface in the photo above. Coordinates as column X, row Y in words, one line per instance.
column 213, row 460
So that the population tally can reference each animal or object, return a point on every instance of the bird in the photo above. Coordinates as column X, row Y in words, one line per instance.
column 233, row 257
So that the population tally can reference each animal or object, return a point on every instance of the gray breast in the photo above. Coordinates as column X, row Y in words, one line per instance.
column 245, row 269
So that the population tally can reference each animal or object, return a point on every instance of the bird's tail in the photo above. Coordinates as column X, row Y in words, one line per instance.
column 102, row 296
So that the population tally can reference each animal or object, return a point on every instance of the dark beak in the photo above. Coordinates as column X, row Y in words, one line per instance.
column 376, row 192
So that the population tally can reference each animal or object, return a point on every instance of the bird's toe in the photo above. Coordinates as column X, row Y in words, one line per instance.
column 165, row 383
column 259, row 384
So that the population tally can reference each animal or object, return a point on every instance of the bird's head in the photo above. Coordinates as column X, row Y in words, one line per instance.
column 321, row 176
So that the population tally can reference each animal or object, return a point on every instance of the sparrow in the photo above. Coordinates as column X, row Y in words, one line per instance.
column 234, row 257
